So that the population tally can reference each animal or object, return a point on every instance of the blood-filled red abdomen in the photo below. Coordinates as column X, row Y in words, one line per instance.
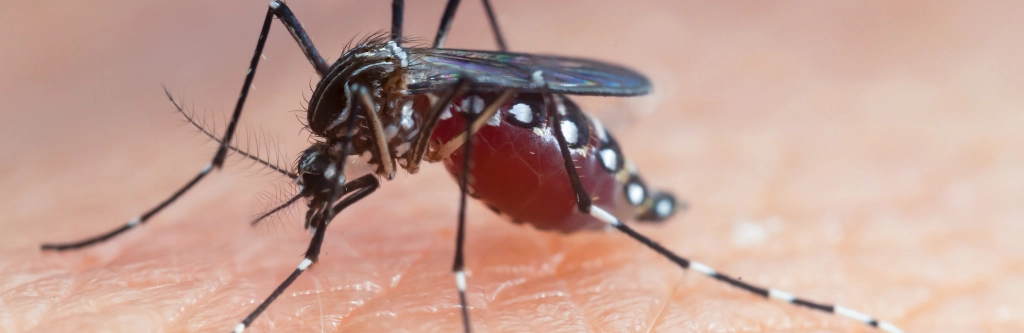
column 517, row 167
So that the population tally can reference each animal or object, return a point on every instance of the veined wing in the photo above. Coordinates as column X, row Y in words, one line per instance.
column 439, row 69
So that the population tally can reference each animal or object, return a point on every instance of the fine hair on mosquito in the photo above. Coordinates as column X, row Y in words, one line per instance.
column 254, row 146
column 262, row 155
column 275, row 207
column 502, row 123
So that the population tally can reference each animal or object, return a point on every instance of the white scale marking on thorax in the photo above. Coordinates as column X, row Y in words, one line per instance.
column 407, row 121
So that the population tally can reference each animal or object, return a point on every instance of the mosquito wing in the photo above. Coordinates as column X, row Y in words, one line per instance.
column 439, row 69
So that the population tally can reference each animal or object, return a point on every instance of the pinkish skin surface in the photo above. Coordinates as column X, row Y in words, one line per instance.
column 867, row 154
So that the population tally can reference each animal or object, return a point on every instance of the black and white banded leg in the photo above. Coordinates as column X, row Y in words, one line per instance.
column 359, row 188
column 473, row 123
column 276, row 8
column 458, row 267
column 606, row 217
column 585, row 206
column 217, row 162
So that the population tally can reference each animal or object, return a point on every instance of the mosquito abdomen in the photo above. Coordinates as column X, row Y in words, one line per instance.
column 518, row 171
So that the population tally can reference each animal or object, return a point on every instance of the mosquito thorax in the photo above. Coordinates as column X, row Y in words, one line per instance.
column 377, row 68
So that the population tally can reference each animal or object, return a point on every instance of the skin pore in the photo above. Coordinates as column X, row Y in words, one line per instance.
column 868, row 156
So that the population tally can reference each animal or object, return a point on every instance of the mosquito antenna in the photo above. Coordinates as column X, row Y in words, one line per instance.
column 279, row 208
column 267, row 200
column 201, row 126
column 257, row 138
column 248, row 142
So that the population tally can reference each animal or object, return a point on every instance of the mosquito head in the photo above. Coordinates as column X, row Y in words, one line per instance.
column 375, row 63
column 317, row 167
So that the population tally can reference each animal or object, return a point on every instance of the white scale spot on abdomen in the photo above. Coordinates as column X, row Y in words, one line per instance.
column 495, row 120
column 570, row 132
column 664, row 207
column 635, row 193
column 610, row 159
column 522, row 113
column 473, row 104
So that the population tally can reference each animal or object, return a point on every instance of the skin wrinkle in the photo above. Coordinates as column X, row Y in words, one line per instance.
column 949, row 293
column 363, row 302
column 578, row 310
column 187, row 307
column 544, row 273
column 319, row 301
column 564, row 284
column 386, row 291
column 665, row 302
column 553, row 259
column 51, row 306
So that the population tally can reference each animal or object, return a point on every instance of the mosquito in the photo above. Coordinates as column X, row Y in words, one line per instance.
column 545, row 162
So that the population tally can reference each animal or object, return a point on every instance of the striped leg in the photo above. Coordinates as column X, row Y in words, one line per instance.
column 585, row 206
column 217, row 162
column 131, row 223
column 604, row 216
column 460, row 236
column 276, row 8
column 306, row 262
column 359, row 188
column 472, row 125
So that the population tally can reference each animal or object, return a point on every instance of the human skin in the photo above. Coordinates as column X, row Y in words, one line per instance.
column 864, row 154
